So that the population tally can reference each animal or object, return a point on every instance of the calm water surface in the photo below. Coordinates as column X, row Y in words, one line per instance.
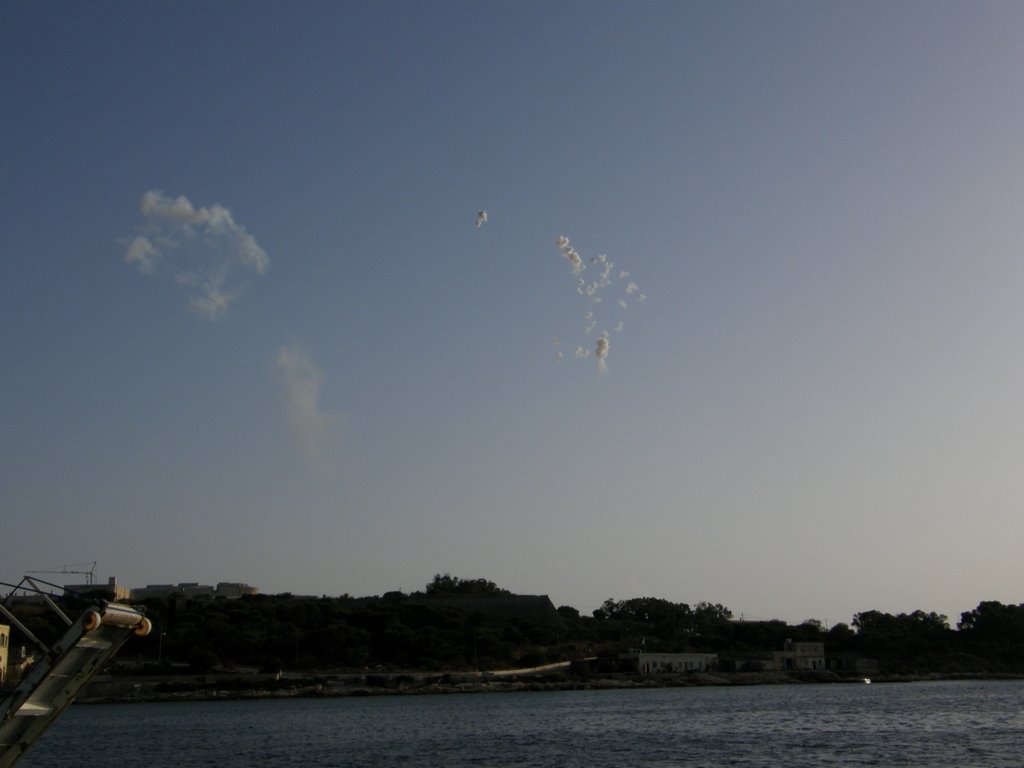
column 964, row 723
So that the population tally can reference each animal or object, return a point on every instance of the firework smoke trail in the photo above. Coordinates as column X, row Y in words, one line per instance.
column 570, row 253
column 481, row 218
column 313, row 428
column 601, row 352
column 591, row 290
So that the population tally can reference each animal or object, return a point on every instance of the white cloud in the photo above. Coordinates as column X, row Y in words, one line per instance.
column 313, row 429
column 202, row 248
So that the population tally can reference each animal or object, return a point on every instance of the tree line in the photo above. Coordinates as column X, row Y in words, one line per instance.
column 400, row 631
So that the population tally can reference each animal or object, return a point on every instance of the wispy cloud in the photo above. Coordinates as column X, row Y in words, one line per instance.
column 201, row 248
column 313, row 429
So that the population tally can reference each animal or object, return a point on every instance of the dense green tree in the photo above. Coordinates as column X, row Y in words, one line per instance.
column 907, row 642
column 453, row 585
column 268, row 631
column 995, row 631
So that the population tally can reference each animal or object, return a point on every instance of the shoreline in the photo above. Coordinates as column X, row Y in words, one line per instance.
column 121, row 691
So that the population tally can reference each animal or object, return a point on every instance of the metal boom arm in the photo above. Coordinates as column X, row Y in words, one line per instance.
column 64, row 670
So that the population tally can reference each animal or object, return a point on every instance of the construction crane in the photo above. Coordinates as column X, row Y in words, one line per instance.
column 72, row 568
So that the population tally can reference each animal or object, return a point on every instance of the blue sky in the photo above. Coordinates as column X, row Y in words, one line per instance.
column 815, row 412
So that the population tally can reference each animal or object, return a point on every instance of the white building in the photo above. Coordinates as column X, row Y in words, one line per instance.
column 664, row 663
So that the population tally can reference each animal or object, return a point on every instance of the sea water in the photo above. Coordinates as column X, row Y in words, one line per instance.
column 962, row 723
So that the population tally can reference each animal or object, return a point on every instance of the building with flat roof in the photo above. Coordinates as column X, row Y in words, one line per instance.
column 800, row 656
column 109, row 591
column 666, row 663
column 192, row 589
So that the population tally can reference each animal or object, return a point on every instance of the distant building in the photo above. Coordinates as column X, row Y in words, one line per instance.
column 855, row 663
column 234, row 589
column 192, row 590
column 109, row 591
column 13, row 663
column 746, row 661
column 800, row 656
column 665, row 663
column 189, row 589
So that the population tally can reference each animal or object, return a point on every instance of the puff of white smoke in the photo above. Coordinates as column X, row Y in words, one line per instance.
column 213, row 300
column 601, row 352
column 558, row 357
column 155, row 203
column 589, row 327
column 618, row 327
column 249, row 252
column 199, row 246
column 643, row 297
column 303, row 380
column 570, row 253
column 623, row 304
column 581, row 352
column 623, row 275
column 214, row 221
column 575, row 259
column 632, row 288
column 212, row 304
column 481, row 218
column 588, row 316
column 142, row 252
